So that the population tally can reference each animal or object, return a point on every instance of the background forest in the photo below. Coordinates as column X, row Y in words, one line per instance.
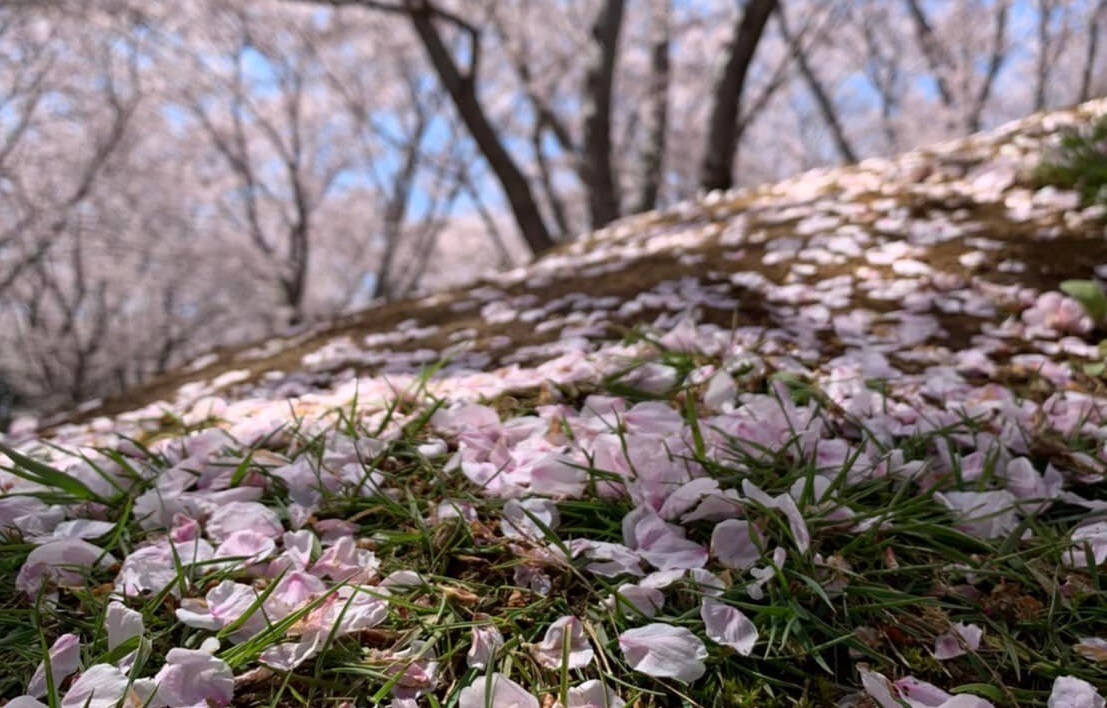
column 178, row 175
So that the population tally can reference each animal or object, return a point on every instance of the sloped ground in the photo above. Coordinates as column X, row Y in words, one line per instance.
column 781, row 447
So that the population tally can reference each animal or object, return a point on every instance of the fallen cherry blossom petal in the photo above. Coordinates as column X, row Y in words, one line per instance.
column 495, row 690
column 736, row 544
column 122, row 623
column 959, row 640
column 914, row 693
column 1093, row 649
column 65, row 658
column 55, row 561
column 564, row 645
column 664, row 651
column 727, row 625
column 592, row 694
column 1072, row 692
column 485, row 642
column 525, row 519
column 646, row 600
column 661, row 544
column 99, row 686
column 192, row 677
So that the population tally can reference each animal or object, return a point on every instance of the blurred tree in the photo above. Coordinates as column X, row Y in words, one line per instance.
column 722, row 130
column 181, row 175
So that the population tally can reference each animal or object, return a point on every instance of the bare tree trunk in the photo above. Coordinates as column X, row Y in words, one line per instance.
column 826, row 106
column 603, row 197
column 884, row 73
column 652, row 158
column 722, row 132
column 1092, row 50
column 1041, row 73
column 933, row 52
column 462, row 90
column 395, row 211
column 503, row 254
column 997, row 55
column 557, row 209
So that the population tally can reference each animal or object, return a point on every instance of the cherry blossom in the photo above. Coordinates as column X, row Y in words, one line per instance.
column 661, row 544
column 664, row 651
column 592, row 694
column 65, row 659
column 564, row 645
column 728, row 626
column 193, row 678
column 56, row 561
column 485, row 643
column 496, row 690
column 1072, row 692
column 961, row 639
column 736, row 544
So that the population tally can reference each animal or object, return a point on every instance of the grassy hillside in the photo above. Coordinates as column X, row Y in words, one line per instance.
column 835, row 441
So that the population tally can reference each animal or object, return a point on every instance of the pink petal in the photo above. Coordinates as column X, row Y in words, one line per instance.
column 664, row 651
column 53, row 561
column 736, row 544
column 661, row 544
column 289, row 655
column 65, row 658
column 296, row 589
column 122, row 623
column 550, row 652
column 100, row 686
column 921, row 693
column 243, row 516
column 593, row 694
column 959, row 640
column 192, row 677
column 525, row 519
column 496, row 690
column 727, row 625
column 1071, row 692
column 486, row 641
column 786, row 505
column 248, row 545
column 646, row 600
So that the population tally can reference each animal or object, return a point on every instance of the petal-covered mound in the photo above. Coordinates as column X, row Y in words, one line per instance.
column 836, row 439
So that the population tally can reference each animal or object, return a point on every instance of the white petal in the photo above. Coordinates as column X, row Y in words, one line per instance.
column 593, row 694
column 720, row 391
column 521, row 518
column 58, row 560
column 661, row 544
column 1093, row 649
column 565, row 633
column 101, row 686
column 486, row 641
column 192, row 677
column 496, row 690
column 727, row 625
column 736, row 544
column 1071, row 692
column 122, row 624
column 879, row 688
column 287, row 656
column 65, row 657
column 960, row 639
column 664, row 651
column 645, row 600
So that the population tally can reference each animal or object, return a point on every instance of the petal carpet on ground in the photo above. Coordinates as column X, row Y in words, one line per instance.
column 840, row 440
